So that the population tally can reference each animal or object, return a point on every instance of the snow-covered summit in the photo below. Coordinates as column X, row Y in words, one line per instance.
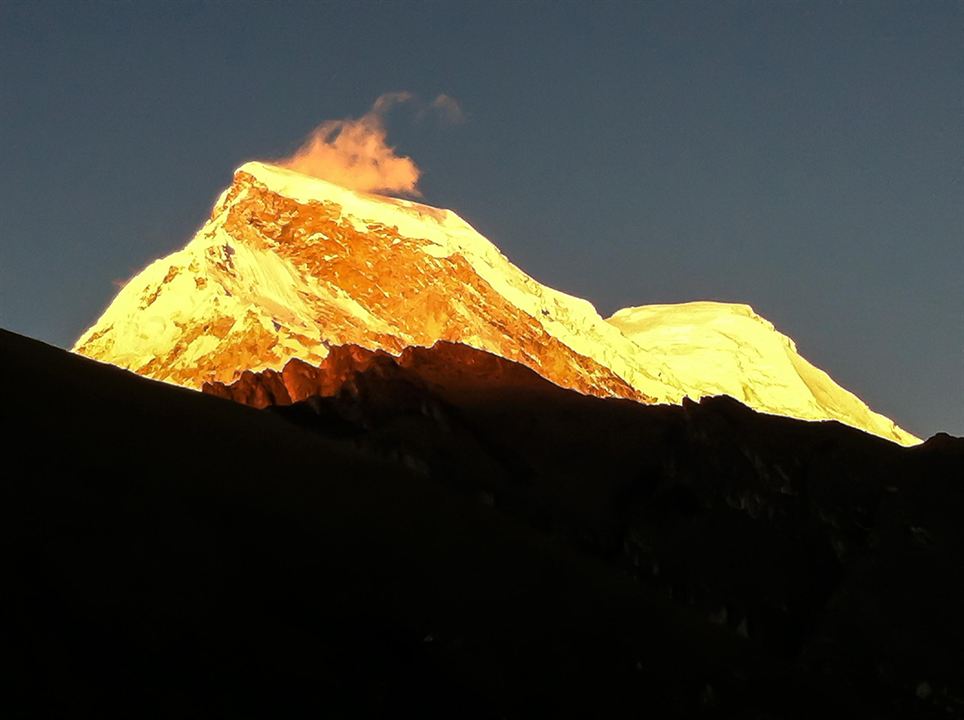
column 289, row 264
column 713, row 348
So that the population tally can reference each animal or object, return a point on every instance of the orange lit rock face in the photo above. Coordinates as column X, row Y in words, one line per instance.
column 446, row 367
column 373, row 287
column 423, row 298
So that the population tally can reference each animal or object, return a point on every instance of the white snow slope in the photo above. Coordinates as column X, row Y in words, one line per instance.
column 712, row 348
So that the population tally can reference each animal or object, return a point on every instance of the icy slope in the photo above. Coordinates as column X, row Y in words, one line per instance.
column 711, row 348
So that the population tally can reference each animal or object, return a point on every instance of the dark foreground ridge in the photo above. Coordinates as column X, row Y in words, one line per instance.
column 447, row 535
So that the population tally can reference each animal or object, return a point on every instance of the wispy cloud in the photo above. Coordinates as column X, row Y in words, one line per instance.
column 448, row 109
column 354, row 152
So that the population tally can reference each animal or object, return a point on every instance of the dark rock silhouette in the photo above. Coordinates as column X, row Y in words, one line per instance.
column 448, row 534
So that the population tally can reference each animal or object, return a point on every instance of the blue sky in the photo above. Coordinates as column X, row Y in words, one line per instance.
column 805, row 158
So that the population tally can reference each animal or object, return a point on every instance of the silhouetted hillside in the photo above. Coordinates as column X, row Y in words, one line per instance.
column 450, row 535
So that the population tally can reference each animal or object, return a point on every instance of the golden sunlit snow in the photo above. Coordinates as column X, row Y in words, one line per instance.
column 288, row 265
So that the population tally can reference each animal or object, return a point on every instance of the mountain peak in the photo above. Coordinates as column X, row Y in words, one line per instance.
column 289, row 265
column 294, row 184
column 304, row 188
column 716, row 348
column 696, row 313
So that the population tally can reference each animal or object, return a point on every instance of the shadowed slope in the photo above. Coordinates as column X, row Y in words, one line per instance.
column 457, row 537
column 175, row 554
column 816, row 543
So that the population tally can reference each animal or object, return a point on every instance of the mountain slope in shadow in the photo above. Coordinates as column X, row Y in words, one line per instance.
column 448, row 534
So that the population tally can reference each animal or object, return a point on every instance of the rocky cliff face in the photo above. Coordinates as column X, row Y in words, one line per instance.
column 444, row 365
column 288, row 266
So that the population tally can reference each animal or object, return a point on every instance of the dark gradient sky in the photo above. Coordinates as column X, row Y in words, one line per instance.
column 805, row 158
